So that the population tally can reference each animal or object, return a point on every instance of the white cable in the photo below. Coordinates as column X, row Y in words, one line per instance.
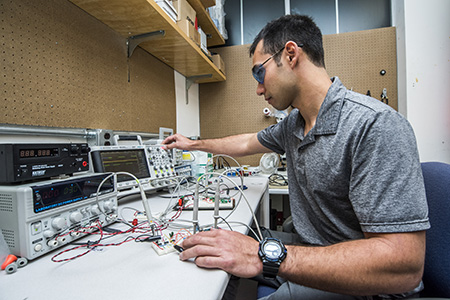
column 231, row 212
column 195, row 218
column 248, row 204
column 141, row 189
column 237, row 163
column 172, row 195
column 98, row 191
column 218, row 155
column 127, row 207
column 249, row 228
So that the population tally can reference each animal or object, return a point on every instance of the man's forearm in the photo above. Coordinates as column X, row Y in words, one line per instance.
column 361, row 267
column 236, row 145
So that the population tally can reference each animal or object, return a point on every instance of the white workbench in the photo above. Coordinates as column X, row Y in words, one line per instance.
column 132, row 270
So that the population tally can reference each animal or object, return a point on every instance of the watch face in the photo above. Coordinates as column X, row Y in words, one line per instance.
column 272, row 250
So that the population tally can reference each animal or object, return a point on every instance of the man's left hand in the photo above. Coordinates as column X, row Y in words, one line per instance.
column 230, row 251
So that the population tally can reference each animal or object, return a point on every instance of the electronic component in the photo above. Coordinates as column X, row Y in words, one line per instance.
column 184, row 171
column 163, row 248
column 36, row 218
column 177, row 157
column 206, row 203
column 23, row 162
column 169, row 244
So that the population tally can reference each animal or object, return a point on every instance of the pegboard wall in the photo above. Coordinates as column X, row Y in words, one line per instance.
column 63, row 68
column 233, row 107
column 358, row 58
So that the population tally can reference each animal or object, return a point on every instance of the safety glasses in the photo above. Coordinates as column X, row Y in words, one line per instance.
column 259, row 71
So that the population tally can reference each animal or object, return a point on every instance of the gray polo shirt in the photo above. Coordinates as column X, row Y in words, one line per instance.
column 356, row 171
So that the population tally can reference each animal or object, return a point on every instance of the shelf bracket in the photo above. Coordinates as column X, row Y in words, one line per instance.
column 191, row 80
column 135, row 40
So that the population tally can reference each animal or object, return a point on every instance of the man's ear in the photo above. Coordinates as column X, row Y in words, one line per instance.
column 293, row 52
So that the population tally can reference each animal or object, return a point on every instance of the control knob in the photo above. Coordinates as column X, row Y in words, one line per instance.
column 58, row 223
column 108, row 206
column 75, row 217
column 74, row 149
column 48, row 233
column 95, row 210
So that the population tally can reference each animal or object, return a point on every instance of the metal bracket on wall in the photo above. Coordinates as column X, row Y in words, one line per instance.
column 135, row 40
column 191, row 80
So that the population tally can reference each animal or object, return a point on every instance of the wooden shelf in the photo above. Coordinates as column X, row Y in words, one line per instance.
column 134, row 17
column 207, row 24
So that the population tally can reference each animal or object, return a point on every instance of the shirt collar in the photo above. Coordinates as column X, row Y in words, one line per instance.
column 328, row 118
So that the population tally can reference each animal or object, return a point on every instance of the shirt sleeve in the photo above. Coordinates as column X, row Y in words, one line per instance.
column 273, row 137
column 386, row 187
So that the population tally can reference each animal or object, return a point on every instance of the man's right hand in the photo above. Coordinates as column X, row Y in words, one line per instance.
column 178, row 141
column 234, row 145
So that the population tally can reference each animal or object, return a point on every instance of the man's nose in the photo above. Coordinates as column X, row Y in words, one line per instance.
column 260, row 89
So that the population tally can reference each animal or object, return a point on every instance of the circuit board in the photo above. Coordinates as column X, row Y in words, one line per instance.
column 206, row 203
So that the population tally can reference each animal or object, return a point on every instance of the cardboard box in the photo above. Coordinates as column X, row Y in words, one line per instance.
column 194, row 35
column 188, row 27
column 184, row 10
column 217, row 60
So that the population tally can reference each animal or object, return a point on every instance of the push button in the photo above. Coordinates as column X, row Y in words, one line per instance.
column 36, row 228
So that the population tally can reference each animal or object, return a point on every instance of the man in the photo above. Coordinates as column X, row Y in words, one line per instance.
column 355, row 183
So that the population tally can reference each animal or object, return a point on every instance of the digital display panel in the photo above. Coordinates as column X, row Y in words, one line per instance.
column 39, row 152
column 70, row 191
column 132, row 161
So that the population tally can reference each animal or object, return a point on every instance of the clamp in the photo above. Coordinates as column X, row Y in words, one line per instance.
column 384, row 97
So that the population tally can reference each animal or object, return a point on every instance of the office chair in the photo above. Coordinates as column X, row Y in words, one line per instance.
column 436, row 276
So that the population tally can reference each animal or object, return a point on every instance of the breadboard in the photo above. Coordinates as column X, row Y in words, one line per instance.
column 163, row 248
column 209, row 204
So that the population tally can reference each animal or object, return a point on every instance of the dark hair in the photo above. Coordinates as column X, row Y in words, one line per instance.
column 298, row 28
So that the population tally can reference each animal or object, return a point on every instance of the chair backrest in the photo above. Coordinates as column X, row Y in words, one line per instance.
column 437, row 259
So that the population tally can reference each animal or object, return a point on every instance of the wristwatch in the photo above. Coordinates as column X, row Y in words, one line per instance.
column 272, row 252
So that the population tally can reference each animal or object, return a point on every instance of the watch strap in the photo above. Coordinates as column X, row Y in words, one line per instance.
column 271, row 266
column 270, row 270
